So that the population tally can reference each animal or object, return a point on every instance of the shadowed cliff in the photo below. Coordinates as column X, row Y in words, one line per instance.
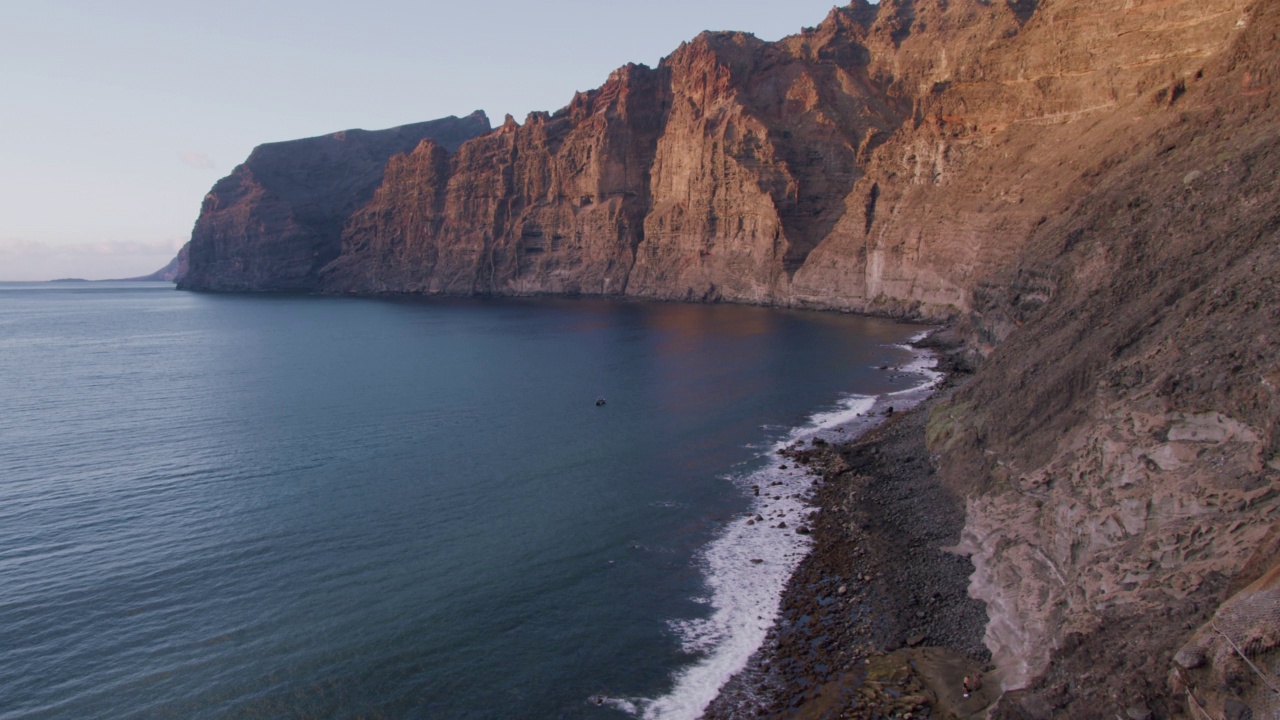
column 276, row 220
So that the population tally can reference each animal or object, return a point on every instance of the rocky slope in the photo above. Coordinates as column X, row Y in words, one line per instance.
column 1119, row 447
column 277, row 219
column 174, row 271
column 1086, row 187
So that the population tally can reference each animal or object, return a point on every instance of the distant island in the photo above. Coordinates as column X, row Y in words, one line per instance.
column 169, row 273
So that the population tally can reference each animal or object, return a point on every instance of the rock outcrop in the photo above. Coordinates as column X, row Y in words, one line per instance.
column 1086, row 187
column 276, row 220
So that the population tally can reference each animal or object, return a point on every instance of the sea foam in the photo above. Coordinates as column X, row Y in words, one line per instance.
column 747, row 567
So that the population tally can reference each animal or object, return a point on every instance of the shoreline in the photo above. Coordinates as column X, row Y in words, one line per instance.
column 748, row 567
column 875, row 620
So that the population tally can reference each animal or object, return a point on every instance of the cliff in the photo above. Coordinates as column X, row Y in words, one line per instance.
column 889, row 160
column 276, row 220
column 1085, row 187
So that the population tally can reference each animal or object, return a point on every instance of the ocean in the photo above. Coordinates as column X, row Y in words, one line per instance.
column 261, row 506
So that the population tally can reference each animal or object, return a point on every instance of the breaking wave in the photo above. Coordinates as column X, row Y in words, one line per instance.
column 747, row 567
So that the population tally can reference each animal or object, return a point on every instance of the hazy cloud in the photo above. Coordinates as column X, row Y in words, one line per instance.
column 17, row 247
column 198, row 160
column 24, row 248
column 32, row 260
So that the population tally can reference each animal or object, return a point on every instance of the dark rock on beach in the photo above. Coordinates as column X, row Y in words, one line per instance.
column 876, row 620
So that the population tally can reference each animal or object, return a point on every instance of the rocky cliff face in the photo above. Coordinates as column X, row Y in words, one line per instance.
column 1086, row 186
column 556, row 205
column 1119, row 446
column 881, row 161
column 888, row 160
column 692, row 180
column 276, row 220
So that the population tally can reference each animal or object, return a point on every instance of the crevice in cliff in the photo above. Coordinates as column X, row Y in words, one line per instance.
column 896, row 18
column 1023, row 9
column 822, row 123
column 872, row 196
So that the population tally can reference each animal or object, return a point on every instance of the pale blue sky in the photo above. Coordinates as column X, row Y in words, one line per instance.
column 117, row 117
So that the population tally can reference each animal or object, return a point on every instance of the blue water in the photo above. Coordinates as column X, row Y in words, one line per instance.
column 257, row 506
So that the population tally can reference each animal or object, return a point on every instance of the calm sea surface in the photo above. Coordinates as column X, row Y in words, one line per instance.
column 252, row 506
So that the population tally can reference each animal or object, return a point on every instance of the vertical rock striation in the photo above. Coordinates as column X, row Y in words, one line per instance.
column 556, row 205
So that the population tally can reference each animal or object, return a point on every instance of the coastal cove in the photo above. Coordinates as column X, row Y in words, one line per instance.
column 433, row 436
column 230, row 505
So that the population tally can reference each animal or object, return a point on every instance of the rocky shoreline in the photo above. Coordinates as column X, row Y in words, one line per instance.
column 876, row 621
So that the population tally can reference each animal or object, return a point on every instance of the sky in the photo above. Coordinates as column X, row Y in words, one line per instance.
column 117, row 117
